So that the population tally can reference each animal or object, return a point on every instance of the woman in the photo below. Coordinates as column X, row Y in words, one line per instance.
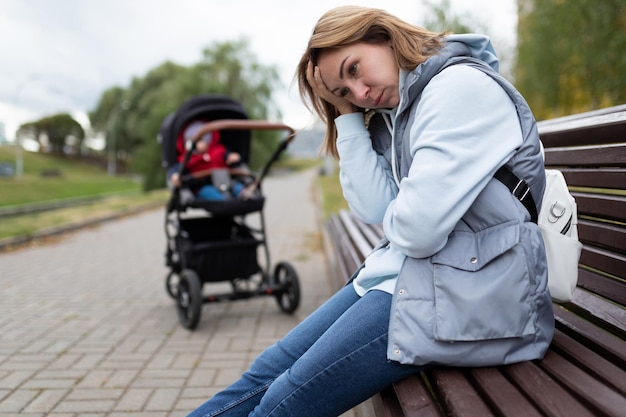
column 461, row 277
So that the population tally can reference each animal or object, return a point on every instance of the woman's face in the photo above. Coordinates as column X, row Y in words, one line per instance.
column 365, row 74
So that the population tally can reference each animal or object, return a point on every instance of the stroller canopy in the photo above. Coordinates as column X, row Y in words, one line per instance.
column 207, row 107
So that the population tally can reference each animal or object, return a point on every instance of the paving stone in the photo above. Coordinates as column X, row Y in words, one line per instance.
column 89, row 406
column 14, row 379
column 186, row 361
column 51, row 373
column 49, row 383
column 65, row 361
column 158, row 383
column 139, row 414
column 82, row 394
column 134, row 399
column 25, row 362
column 95, row 379
column 88, row 361
column 201, row 377
column 16, row 401
column 121, row 378
column 163, row 399
column 4, row 393
column 45, row 401
column 225, row 377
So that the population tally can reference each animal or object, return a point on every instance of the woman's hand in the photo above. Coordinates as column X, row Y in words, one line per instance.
column 314, row 78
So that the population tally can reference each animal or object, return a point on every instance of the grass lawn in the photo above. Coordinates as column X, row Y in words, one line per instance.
column 30, row 224
column 119, row 194
column 332, row 196
column 75, row 179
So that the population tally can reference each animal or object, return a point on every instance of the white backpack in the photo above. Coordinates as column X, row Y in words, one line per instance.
column 558, row 220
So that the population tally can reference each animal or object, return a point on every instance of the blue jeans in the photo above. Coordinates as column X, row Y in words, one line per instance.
column 332, row 361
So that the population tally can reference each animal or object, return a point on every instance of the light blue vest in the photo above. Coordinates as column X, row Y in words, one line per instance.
column 483, row 299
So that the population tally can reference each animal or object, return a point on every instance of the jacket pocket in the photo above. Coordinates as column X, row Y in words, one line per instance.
column 481, row 286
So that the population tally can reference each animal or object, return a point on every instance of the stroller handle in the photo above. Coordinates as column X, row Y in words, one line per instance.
column 242, row 124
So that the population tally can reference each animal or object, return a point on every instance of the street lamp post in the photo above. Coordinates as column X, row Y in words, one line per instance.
column 112, row 161
column 112, row 131
column 19, row 161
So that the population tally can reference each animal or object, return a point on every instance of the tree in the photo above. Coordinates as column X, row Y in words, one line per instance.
column 57, row 129
column 230, row 68
column 571, row 55
column 440, row 17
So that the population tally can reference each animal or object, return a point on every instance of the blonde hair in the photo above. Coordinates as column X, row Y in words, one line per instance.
column 347, row 25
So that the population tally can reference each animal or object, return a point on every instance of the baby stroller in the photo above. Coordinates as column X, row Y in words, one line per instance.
column 211, row 241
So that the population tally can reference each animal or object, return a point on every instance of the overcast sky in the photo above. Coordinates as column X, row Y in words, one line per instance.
column 59, row 56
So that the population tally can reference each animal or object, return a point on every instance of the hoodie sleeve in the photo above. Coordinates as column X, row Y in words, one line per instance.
column 465, row 128
column 365, row 176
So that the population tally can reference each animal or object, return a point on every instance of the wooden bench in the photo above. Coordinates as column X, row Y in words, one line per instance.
column 584, row 371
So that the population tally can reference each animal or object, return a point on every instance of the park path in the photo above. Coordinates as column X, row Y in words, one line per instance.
column 87, row 329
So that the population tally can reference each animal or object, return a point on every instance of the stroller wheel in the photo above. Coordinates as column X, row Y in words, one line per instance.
column 189, row 299
column 286, row 279
column 171, row 284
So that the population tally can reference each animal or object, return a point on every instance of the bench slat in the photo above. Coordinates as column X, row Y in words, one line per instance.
column 501, row 393
column 602, row 234
column 459, row 396
column 359, row 241
column 371, row 232
column 603, row 206
column 604, row 400
column 544, row 391
column 603, row 260
column 414, row 399
column 350, row 265
column 349, row 257
column 589, row 360
column 604, row 286
column 595, row 178
column 602, row 312
column 608, row 124
column 349, row 222
column 386, row 404
column 595, row 338
column 613, row 155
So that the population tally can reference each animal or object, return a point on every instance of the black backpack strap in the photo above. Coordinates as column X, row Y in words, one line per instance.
column 519, row 189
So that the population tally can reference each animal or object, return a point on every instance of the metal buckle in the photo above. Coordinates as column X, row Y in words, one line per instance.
column 521, row 188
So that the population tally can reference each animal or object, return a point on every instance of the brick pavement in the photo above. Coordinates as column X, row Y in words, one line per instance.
column 87, row 329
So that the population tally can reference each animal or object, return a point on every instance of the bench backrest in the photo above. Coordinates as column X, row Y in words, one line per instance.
column 587, row 355
column 590, row 150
